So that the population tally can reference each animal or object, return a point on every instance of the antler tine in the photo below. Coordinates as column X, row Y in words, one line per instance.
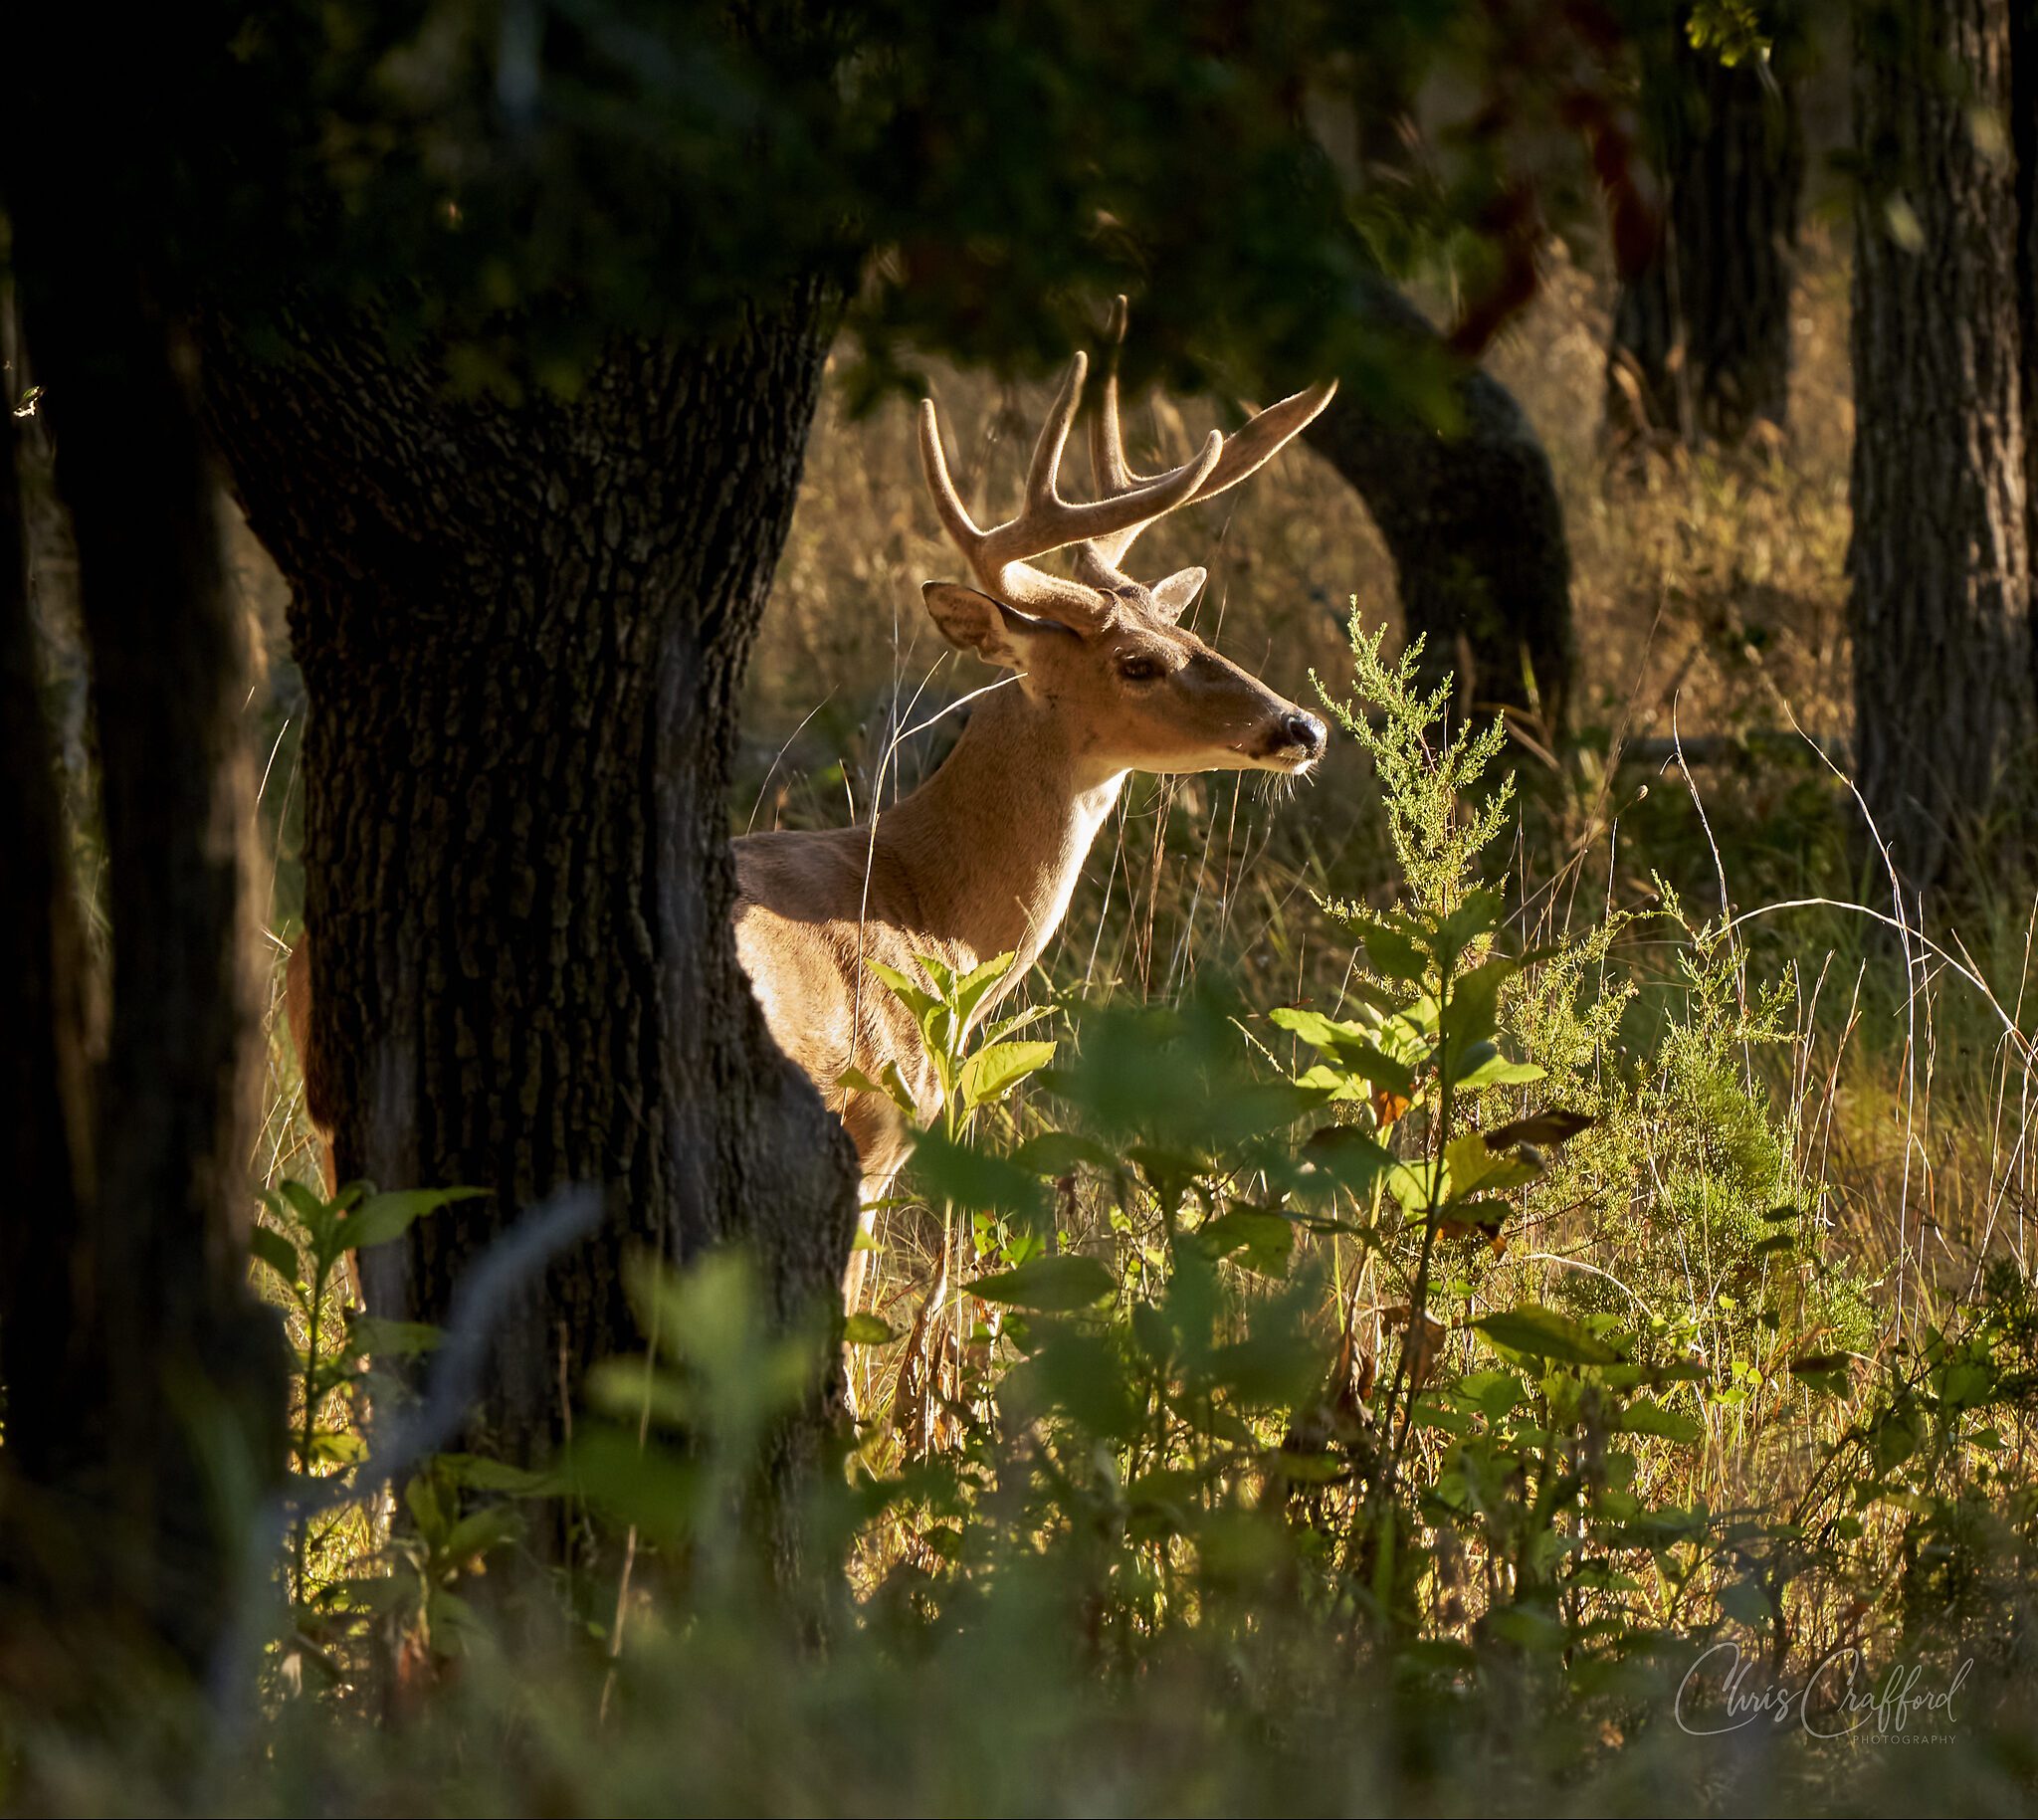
column 1245, row 453
column 1046, row 520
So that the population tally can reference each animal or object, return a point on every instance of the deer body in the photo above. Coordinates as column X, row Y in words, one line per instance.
column 981, row 861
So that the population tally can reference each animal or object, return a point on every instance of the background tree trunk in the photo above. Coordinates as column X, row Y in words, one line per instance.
column 523, row 630
column 2024, row 149
column 1473, row 521
column 1701, row 327
column 146, row 1390
column 1938, row 562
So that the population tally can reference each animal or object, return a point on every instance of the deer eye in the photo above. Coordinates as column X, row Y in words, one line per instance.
column 1139, row 669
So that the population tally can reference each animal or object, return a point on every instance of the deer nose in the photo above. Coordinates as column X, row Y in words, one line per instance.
column 1305, row 730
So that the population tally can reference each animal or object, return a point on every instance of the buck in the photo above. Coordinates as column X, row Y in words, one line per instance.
column 981, row 861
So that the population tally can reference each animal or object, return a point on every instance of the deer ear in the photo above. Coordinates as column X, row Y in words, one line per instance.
column 1171, row 597
column 975, row 622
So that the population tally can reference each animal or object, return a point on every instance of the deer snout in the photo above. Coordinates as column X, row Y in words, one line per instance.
column 1297, row 738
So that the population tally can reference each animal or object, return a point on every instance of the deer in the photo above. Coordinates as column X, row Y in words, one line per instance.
column 981, row 859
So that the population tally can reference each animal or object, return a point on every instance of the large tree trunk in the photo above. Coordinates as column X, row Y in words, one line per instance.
column 2024, row 149
column 1940, row 557
column 1702, row 326
column 145, row 1387
column 1473, row 521
column 522, row 630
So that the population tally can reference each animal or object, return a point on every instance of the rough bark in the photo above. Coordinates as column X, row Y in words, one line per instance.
column 2024, row 149
column 521, row 629
column 1939, row 558
column 41, row 1060
column 153, row 1393
column 1701, row 340
column 1473, row 524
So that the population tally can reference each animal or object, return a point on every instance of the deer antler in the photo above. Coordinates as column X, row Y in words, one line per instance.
column 1046, row 520
column 1263, row 437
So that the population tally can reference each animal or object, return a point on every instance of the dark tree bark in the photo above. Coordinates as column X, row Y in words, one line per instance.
column 145, row 1392
column 1939, row 558
column 1701, row 326
column 42, row 1061
column 1473, row 524
column 2024, row 149
column 522, row 630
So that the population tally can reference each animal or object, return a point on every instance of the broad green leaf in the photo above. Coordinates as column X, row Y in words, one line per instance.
column 1059, row 1153
column 1083, row 1375
column 922, row 1003
column 992, row 1073
column 1542, row 1333
column 1643, row 1417
column 1474, row 1169
column 392, row 1338
column 1001, row 1028
column 1479, row 915
column 478, row 1474
column 480, row 1531
column 1390, row 952
column 976, row 1179
column 1264, row 1238
column 1352, row 1157
column 270, row 1247
column 383, row 1217
column 866, row 1330
column 1546, row 1130
column 1048, row 1285
column 1348, row 1047
column 969, row 991
column 1485, row 1066
column 1471, row 1009
column 854, row 1080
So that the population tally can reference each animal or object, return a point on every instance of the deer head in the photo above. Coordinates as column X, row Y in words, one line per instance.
column 1103, row 652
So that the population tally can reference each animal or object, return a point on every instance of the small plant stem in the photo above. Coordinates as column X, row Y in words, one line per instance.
column 314, row 1309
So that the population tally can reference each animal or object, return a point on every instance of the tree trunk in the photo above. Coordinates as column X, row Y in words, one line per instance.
column 1701, row 327
column 1474, row 523
column 521, row 629
column 2024, row 150
column 144, row 1386
column 1938, row 562
column 42, row 1075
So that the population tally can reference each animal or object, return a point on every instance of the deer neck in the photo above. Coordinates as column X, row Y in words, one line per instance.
column 992, row 844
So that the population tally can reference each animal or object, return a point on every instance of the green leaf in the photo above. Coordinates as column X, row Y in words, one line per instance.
column 1472, row 1009
column 1352, row 1157
column 383, row 1217
column 1059, row 1153
column 1643, row 1417
column 1545, row 1129
column 892, row 1088
column 392, row 1338
column 1265, row 1238
column 1048, row 1285
column 1390, row 952
column 1349, row 1047
column 480, row 1474
column 976, row 1179
column 267, row 1246
column 864, row 1330
column 480, row 1531
column 969, row 991
column 1483, row 1065
column 992, row 1073
column 1541, row 1332
column 1474, row 1169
